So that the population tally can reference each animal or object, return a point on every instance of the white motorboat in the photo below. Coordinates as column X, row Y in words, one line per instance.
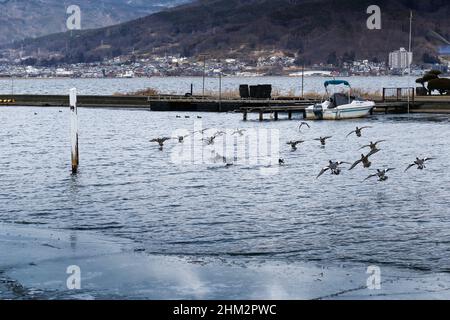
column 339, row 105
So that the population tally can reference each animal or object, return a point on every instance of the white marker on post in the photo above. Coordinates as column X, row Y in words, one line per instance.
column 74, row 129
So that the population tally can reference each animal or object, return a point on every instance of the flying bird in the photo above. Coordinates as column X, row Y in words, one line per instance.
column 202, row 131
column 364, row 160
column 219, row 133
column 210, row 140
column 373, row 146
column 358, row 131
column 161, row 142
column 294, row 144
column 323, row 140
column 281, row 162
column 181, row 138
column 420, row 163
column 334, row 167
column 303, row 124
column 381, row 174
column 239, row 131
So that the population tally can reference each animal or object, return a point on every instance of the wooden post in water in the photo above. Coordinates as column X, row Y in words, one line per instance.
column 74, row 130
column 220, row 91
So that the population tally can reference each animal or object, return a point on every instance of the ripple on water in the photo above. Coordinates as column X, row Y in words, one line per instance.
column 128, row 188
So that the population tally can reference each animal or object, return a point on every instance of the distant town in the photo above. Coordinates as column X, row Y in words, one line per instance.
column 274, row 64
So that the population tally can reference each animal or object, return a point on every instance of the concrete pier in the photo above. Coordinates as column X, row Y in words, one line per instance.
column 429, row 104
column 154, row 103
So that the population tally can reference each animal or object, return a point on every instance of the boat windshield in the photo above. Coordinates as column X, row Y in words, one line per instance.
column 339, row 99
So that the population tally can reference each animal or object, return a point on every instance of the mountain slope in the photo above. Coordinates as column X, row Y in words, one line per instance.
column 32, row 18
column 314, row 29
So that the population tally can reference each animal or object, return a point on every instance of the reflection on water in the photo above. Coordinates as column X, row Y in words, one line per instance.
column 128, row 188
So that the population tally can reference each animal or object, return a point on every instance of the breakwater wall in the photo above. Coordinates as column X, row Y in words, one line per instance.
column 435, row 104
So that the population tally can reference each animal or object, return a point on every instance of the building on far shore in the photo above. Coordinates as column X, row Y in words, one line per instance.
column 400, row 59
column 444, row 54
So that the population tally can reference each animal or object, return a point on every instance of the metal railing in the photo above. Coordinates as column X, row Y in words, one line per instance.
column 399, row 94
column 194, row 98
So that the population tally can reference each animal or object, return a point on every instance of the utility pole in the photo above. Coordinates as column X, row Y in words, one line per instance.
column 410, row 60
column 303, row 81
column 204, row 75
column 410, row 30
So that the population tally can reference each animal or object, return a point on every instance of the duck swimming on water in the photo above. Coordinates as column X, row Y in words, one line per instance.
column 217, row 157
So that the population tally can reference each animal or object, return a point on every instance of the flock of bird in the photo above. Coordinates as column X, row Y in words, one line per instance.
column 208, row 140
column 334, row 167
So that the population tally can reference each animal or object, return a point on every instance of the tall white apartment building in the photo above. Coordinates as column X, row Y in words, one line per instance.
column 400, row 59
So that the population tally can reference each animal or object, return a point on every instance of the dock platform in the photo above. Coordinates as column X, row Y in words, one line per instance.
column 274, row 106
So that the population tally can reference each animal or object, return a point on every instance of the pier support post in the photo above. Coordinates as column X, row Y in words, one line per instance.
column 275, row 115
column 74, row 130
column 261, row 116
column 245, row 115
column 290, row 115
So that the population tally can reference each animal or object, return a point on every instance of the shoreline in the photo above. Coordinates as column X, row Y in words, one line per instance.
column 35, row 260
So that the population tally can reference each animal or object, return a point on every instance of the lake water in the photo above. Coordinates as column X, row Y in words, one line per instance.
column 181, row 85
column 127, row 188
